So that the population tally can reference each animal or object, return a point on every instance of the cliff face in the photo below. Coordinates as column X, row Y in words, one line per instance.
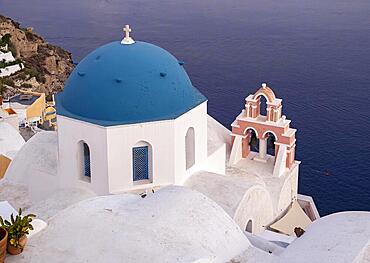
column 46, row 66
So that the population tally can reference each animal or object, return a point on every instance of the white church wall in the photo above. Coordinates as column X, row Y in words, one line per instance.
column 255, row 207
column 197, row 119
column 112, row 151
column 216, row 160
column 121, row 140
column 70, row 135
column 289, row 190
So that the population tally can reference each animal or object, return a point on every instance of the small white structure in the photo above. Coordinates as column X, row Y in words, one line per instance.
column 4, row 48
column 6, row 57
column 8, row 115
column 10, row 70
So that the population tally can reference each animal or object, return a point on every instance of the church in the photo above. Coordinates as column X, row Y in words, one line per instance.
column 136, row 149
column 129, row 119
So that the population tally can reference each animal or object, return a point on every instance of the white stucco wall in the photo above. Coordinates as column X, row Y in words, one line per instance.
column 167, row 139
column 218, row 146
column 111, row 151
column 288, row 191
column 70, row 133
column 197, row 119
column 256, row 206
column 121, row 140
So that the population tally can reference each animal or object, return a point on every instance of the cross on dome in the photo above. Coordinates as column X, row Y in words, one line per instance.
column 127, row 31
column 127, row 39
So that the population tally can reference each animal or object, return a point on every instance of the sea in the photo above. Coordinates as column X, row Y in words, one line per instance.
column 315, row 54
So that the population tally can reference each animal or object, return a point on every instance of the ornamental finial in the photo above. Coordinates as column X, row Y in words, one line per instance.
column 127, row 40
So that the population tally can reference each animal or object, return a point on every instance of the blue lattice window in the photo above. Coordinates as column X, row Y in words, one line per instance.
column 87, row 168
column 140, row 163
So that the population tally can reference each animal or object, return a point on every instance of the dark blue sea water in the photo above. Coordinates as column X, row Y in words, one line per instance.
column 315, row 54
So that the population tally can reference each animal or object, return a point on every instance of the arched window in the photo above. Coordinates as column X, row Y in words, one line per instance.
column 85, row 161
column 270, row 143
column 249, row 226
column 253, row 140
column 190, row 148
column 263, row 105
column 142, row 162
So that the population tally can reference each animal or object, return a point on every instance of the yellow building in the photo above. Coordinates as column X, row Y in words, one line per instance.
column 32, row 108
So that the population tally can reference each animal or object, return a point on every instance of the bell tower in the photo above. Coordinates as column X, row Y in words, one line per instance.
column 253, row 132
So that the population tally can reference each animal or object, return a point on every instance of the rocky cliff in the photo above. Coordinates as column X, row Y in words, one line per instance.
column 46, row 66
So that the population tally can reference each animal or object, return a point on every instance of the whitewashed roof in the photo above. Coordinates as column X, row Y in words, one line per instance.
column 341, row 237
column 10, row 140
column 175, row 224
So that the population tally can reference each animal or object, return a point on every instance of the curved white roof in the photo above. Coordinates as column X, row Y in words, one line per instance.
column 31, row 180
column 10, row 140
column 226, row 191
column 340, row 237
column 35, row 165
column 175, row 224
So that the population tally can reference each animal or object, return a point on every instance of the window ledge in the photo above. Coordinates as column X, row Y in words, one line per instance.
column 143, row 182
column 85, row 179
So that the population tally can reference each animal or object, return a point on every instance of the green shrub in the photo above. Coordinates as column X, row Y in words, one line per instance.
column 5, row 40
column 33, row 72
column 4, row 64
column 29, row 35
column 22, row 75
column 13, row 49
column 8, row 82
column 30, row 71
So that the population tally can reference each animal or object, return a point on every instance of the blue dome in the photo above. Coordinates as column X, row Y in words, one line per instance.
column 124, row 84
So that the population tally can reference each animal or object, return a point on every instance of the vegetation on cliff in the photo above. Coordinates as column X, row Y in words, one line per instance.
column 46, row 66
